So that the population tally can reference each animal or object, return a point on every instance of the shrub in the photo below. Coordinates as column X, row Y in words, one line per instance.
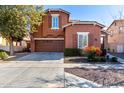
column 4, row 51
column 3, row 55
column 83, row 53
column 95, row 59
column 91, row 56
column 114, row 59
column 92, row 52
column 72, row 52
column 98, row 59
column 102, row 59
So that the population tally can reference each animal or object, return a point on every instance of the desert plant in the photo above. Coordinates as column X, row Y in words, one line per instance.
column 92, row 52
column 3, row 55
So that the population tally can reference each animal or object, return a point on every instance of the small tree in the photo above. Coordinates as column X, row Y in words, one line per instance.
column 120, row 18
column 17, row 21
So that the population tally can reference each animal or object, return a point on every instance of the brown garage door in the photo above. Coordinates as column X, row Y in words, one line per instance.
column 49, row 45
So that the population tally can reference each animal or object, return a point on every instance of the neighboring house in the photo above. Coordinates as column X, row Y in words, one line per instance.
column 18, row 46
column 116, row 37
column 57, row 32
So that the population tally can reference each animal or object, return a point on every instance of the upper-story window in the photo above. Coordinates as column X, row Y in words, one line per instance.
column 55, row 21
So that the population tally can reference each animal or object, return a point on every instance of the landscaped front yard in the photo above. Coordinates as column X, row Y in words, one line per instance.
column 97, row 67
column 89, row 55
column 100, row 74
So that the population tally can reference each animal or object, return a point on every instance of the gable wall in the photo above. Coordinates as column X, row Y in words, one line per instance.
column 45, row 31
column 71, row 35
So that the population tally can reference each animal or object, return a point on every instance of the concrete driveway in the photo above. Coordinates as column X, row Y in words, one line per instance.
column 30, row 75
column 42, row 57
column 37, row 70
column 45, row 71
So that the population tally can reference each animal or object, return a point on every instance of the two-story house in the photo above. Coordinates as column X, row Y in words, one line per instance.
column 58, row 32
column 116, row 37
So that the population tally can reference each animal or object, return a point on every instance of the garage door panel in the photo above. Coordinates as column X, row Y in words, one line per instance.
column 49, row 45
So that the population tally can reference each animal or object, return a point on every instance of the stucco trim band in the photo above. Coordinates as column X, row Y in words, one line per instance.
column 48, row 38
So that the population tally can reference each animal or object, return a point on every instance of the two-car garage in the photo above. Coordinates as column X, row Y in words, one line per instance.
column 49, row 45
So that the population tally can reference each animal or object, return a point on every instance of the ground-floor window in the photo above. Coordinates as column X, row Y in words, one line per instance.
column 82, row 39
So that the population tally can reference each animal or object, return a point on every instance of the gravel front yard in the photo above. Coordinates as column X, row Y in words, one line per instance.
column 105, row 77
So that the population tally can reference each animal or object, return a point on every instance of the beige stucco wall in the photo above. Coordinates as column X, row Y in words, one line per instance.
column 4, row 45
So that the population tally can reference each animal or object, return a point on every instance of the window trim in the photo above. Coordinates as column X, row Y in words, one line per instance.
column 54, row 15
column 82, row 33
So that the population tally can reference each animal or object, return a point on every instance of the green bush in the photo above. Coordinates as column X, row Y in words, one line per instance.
column 97, row 59
column 83, row 53
column 102, row 59
column 4, row 51
column 91, row 56
column 72, row 52
column 3, row 55
column 114, row 59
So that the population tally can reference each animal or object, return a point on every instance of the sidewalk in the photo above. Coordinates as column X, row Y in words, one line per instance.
column 121, row 60
column 73, row 81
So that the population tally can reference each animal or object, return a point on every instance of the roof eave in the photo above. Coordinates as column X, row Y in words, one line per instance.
column 48, row 10
column 111, row 24
column 84, row 23
column 105, row 32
